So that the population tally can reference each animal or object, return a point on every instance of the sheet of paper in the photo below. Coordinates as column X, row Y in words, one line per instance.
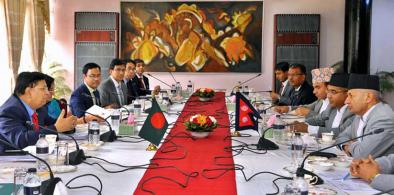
column 99, row 111
column 349, row 185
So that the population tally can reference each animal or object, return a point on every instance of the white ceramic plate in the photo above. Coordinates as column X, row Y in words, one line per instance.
column 63, row 168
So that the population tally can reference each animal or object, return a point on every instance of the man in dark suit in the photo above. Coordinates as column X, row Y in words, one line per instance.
column 283, row 90
column 113, row 91
column 132, row 86
column 143, row 81
column 303, row 91
column 86, row 95
column 26, row 104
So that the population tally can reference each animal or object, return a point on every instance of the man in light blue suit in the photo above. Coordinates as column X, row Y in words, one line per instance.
column 378, row 172
column 371, row 114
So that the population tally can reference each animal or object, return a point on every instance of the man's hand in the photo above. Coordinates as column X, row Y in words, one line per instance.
column 365, row 169
column 274, row 96
column 89, row 117
column 156, row 90
column 302, row 111
column 346, row 148
column 281, row 109
column 65, row 124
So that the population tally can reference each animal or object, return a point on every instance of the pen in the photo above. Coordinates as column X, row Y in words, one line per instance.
column 346, row 176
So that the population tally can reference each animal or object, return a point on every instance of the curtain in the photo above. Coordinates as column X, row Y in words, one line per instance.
column 36, row 30
column 15, row 19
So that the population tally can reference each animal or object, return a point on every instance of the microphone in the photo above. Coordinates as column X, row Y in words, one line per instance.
column 48, row 186
column 232, row 90
column 75, row 157
column 301, row 171
column 172, row 76
column 385, row 192
column 266, row 144
column 159, row 80
column 109, row 136
column 250, row 79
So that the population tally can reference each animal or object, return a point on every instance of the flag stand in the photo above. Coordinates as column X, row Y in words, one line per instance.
column 151, row 147
column 236, row 134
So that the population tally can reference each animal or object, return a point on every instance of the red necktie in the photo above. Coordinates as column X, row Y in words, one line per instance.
column 142, row 86
column 34, row 118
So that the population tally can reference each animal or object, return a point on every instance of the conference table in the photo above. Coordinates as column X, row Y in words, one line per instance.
column 133, row 154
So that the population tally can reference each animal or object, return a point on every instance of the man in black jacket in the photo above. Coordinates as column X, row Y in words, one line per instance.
column 303, row 91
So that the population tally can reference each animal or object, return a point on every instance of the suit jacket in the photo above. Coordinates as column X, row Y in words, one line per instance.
column 303, row 96
column 13, row 128
column 141, row 91
column 384, row 182
column 109, row 94
column 81, row 100
column 382, row 116
column 325, row 119
column 132, row 90
column 285, row 98
column 314, row 108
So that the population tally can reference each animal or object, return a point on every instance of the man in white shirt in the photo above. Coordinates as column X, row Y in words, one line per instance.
column 338, row 117
column 143, row 81
column 320, row 79
column 371, row 114
column 283, row 90
column 113, row 91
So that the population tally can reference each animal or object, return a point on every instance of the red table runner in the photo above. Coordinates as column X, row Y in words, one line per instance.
column 192, row 155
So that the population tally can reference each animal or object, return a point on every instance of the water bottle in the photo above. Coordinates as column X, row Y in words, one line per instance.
column 278, row 129
column 32, row 183
column 190, row 87
column 239, row 87
column 245, row 90
column 173, row 90
column 137, row 108
column 42, row 151
column 178, row 88
column 94, row 132
column 300, row 185
column 297, row 153
column 115, row 120
column 263, row 124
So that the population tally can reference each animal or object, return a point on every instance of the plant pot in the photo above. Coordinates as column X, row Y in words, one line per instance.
column 199, row 134
column 204, row 99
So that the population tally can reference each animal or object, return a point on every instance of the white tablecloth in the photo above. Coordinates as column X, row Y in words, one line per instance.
column 135, row 154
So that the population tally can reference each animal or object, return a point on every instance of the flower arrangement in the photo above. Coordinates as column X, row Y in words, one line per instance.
column 205, row 92
column 201, row 123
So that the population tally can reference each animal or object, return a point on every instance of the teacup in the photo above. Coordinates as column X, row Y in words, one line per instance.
column 327, row 137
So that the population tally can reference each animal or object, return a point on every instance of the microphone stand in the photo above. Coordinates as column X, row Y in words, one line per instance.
column 232, row 90
column 266, row 144
column 159, row 80
column 75, row 157
column 109, row 136
column 172, row 76
column 48, row 186
column 318, row 180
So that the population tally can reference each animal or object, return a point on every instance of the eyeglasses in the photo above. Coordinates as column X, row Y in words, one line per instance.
column 294, row 75
column 43, row 88
column 334, row 92
column 119, row 69
column 92, row 76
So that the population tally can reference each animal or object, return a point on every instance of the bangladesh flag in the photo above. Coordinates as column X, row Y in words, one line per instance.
column 246, row 115
column 155, row 125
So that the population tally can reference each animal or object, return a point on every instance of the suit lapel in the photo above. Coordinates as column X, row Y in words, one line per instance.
column 112, row 85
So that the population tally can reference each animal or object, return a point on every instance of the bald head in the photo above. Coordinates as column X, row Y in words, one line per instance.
column 361, row 100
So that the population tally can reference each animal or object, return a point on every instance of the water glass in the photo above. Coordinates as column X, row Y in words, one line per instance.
column 19, row 176
column 60, row 154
